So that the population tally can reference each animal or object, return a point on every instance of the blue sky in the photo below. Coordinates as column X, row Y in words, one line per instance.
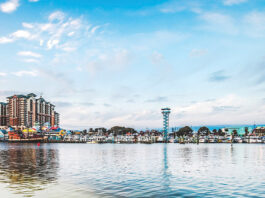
column 105, row 63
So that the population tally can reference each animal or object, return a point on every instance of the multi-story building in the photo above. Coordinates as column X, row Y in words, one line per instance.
column 27, row 110
column 3, row 114
column 56, row 119
column 17, row 110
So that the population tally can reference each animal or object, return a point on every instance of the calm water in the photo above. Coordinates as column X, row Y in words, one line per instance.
column 132, row 170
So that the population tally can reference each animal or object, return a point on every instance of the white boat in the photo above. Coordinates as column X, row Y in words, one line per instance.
column 238, row 140
column 160, row 139
column 255, row 139
column 202, row 140
column 91, row 142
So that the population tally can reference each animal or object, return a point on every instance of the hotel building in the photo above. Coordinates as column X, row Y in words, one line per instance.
column 3, row 114
column 28, row 110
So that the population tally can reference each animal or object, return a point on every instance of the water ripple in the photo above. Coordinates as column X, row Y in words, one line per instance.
column 109, row 170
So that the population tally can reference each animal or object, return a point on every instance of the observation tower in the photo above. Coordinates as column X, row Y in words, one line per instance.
column 165, row 112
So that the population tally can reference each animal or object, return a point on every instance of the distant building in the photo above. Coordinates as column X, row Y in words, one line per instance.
column 56, row 119
column 259, row 131
column 3, row 114
column 27, row 110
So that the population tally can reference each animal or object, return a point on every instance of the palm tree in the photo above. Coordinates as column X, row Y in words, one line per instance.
column 234, row 133
column 246, row 131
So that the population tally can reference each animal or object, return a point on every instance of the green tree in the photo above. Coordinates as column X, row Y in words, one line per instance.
column 185, row 131
column 204, row 131
column 215, row 132
column 118, row 130
column 234, row 133
column 246, row 131
column 220, row 132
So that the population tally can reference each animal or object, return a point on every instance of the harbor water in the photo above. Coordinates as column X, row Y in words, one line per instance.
column 132, row 170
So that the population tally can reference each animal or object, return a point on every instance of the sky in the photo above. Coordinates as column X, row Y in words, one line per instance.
column 115, row 62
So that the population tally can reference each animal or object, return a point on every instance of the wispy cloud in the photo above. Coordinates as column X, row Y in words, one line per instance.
column 158, row 99
column 255, row 24
column 30, row 54
column 218, row 109
column 21, row 34
column 169, row 7
column 233, row 2
column 69, row 104
column 58, row 15
column 218, row 76
column 157, row 58
column 198, row 52
column 93, row 30
column 219, row 22
column 26, row 73
column 178, row 6
column 4, row 40
column 9, row 6
column 27, row 25
column 56, row 33
column 110, row 60
column 30, row 60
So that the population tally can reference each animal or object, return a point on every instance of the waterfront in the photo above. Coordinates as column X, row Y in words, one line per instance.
column 132, row 170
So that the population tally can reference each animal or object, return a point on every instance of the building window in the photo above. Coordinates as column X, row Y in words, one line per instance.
column 31, row 105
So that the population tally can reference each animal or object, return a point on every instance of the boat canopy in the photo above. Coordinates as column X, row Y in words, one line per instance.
column 3, row 131
column 2, row 134
column 30, row 130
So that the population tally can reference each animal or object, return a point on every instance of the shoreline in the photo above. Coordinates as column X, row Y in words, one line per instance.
column 83, row 142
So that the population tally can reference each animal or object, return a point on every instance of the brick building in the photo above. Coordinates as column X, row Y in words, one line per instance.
column 3, row 114
column 28, row 110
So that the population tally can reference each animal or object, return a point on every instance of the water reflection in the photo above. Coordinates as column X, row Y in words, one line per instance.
column 140, row 170
column 166, row 174
column 28, row 168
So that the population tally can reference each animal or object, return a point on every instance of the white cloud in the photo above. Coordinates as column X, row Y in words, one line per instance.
column 26, row 73
column 27, row 25
column 219, row 22
column 71, row 33
column 198, row 52
column 94, row 29
column 9, row 6
column 115, row 59
column 173, row 6
column 68, row 49
column 58, row 30
column 233, row 2
column 255, row 24
column 5, row 40
column 3, row 74
column 46, row 27
column 52, row 43
column 58, row 15
column 21, row 34
column 29, row 53
column 31, row 60
column 157, row 58
column 229, row 109
column 16, row 35
column 33, row 0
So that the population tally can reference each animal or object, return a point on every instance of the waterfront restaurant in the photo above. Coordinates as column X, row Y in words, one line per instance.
column 259, row 131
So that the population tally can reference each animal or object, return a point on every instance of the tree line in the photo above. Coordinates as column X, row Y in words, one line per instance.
column 184, row 131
